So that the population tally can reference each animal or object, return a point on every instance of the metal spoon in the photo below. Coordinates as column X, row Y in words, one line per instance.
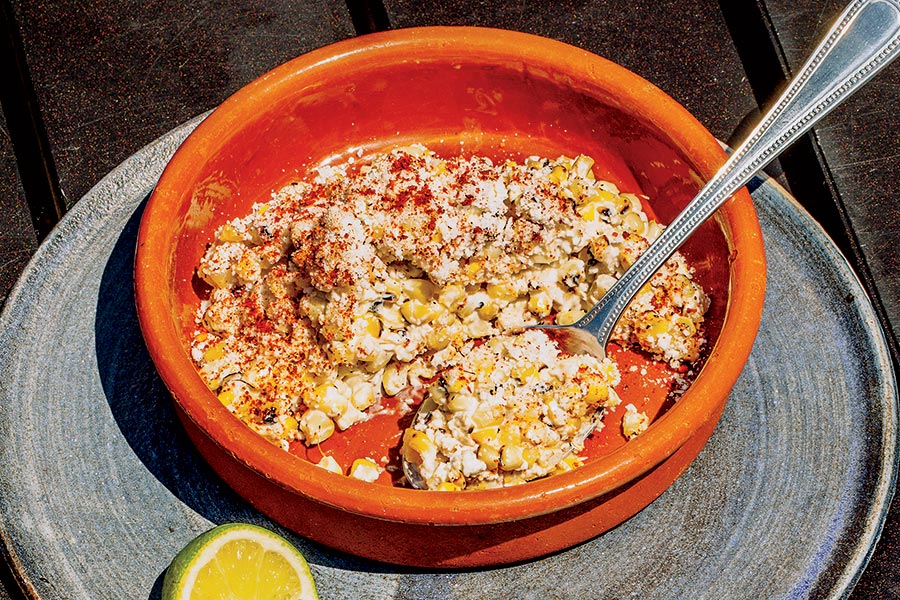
column 863, row 40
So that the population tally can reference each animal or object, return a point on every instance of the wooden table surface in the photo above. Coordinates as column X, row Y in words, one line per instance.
column 86, row 85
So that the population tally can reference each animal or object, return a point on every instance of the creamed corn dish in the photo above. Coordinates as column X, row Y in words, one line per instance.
column 410, row 270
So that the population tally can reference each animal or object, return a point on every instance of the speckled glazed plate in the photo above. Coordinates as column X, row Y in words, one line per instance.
column 99, row 486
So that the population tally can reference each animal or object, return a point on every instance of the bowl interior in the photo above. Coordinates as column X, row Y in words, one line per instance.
column 499, row 94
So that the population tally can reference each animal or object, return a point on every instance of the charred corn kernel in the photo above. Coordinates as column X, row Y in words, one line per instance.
column 452, row 296
column 501, row 292
column 394, row 378
column 316, row 426
column 214, row 352
column 567, row 317
column 365, row 469
column 633, row 223
column 597, row 393
column 511, row 458
column 488, row 310
column 540, row 303
column 229, row 234
column 418, row 289
column 330, row 464
column 419, row 313
column 226, row 397
column 489, row 455
column 487, row 435
column 633, row 422
column 290, row 424
column 447, row 486
column 462, row 402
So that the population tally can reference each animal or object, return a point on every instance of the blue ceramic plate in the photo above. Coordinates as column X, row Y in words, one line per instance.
column 99, row 487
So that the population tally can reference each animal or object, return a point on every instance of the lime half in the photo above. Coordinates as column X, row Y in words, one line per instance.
column 239, row 561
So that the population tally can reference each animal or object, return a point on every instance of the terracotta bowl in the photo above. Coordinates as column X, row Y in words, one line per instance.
column 467, row 90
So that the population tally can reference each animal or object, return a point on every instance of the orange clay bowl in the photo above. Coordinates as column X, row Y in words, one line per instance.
column 457, row 90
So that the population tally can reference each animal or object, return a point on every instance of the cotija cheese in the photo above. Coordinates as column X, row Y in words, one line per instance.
column 411, row 269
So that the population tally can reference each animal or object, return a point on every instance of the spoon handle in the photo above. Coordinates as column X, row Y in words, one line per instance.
column 864, row 39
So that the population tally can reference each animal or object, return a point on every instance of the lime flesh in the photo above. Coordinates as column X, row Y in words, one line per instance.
column 239, row 561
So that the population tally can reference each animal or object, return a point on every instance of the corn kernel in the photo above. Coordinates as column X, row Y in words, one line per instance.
column 462, row 402
column 511, row 458
column 330, row 464
column 229, row 234
column 557, row 174
column 568, row 317
column 484, row 417
column 452, row 296
column 371, row 324
column 474, row 267
column 365, row 469
column 510, row 435
column 658, row 327
column 214, row 352
column 418, row 289
column 394, row 379
column 437, row 340
column 540, row 303
column 501, row 291
column 633, row 223
column 489, row 455
column 582, row 165
column 487, row 435
column 633, row 422
column 524, row 371
column 531, row 454
column 418, row 442
column 597, row 393
column 316, row 426
column 248, row 268
column 417, row 312
column 226, row 397
column 488, row 311
column 447, row 486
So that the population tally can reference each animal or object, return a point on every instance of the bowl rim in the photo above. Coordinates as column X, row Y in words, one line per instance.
column 702, row 402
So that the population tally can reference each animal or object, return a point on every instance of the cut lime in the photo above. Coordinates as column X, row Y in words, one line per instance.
column 238, row 561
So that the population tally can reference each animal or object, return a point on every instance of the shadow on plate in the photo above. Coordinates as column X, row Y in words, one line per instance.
column 143, row 410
